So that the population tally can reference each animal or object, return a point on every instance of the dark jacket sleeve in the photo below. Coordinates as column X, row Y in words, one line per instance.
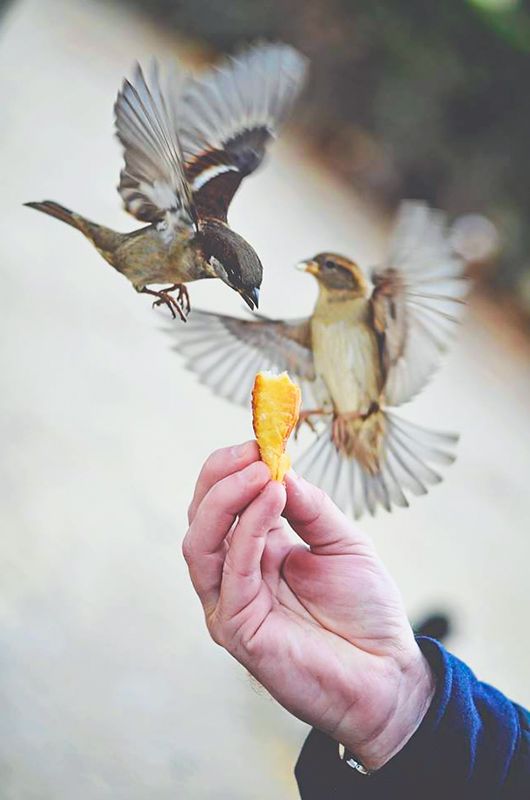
column 472, row 743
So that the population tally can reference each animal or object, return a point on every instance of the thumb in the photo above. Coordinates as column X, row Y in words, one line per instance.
column 318, row 521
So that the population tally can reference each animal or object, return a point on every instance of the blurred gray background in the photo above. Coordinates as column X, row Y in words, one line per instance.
column 110, row 685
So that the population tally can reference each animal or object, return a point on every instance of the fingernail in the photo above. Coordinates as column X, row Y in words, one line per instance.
column 297, row 485
column 238, row 451
column 256, row 471
column 271, row 488
column 293, row 476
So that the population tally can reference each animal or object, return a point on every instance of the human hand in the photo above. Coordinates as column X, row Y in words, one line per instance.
column 321, row 625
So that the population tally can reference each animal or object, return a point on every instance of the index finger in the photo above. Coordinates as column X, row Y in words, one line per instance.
column 219, row 465
column 318, row 521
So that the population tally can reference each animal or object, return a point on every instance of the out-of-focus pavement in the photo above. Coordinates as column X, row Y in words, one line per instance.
column 110, row 685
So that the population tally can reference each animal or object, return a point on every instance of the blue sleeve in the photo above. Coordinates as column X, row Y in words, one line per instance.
column 472, row 743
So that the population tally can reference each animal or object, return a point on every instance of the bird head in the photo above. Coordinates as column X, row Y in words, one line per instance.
column 242, row 270
column 233, row 260
column 336, row 274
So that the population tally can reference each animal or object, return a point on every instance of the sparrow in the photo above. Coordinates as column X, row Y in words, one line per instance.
column 186, row 150
column 372, row 342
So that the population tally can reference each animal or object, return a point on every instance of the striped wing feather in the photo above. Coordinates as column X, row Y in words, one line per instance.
column 417, row 299
column 153, row 184
column 226, row 352
column 228, row 116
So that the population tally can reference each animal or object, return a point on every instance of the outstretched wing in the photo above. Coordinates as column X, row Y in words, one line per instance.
column 226, row 352
column 416, row 300
column 152, row 184
column 228, row 116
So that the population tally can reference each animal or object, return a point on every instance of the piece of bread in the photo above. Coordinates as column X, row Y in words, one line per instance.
column 275, row 412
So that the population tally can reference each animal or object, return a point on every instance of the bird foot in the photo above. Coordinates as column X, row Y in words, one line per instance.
column 340, row 432
column 172, row 303
column 183, row 297
column 305, row 417
column 179, row 305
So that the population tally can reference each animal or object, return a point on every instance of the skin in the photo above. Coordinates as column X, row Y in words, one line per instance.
column 316, row 619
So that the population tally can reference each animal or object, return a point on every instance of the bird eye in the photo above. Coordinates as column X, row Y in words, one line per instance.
column 329, row 264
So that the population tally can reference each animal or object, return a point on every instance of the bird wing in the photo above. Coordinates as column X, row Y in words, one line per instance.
column 416, row 300
column 228, row 116
column 153, row 183
column 226, row 352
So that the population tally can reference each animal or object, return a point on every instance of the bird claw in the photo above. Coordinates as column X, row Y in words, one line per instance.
column 173, row 304
column 305, row 417
column 177, row 305
column 183, row 298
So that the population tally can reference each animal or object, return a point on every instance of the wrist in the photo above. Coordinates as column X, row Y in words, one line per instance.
column 412, row 689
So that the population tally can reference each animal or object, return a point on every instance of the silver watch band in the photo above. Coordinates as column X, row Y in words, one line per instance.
column 351, row 761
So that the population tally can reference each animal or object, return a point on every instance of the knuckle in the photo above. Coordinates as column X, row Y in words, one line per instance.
column 252, row 477
column 216, row 636
column 232, row 570
column 216, row 633
column 187, row 550
column 250, row 648
column 250, row 643
column 223, row 493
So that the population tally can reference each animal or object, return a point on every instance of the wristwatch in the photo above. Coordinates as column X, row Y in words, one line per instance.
column 351, row 761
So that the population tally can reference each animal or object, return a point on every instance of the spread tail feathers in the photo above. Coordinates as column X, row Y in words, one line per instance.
column 408, row 451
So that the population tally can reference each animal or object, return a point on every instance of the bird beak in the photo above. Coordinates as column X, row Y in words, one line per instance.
column 251, row 298
column 310, row 266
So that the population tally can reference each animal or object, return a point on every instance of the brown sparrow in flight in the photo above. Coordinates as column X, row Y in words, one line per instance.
column 364, row 349
column 187, row 149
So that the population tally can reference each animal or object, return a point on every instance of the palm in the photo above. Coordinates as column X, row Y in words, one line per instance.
column 309, row 609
